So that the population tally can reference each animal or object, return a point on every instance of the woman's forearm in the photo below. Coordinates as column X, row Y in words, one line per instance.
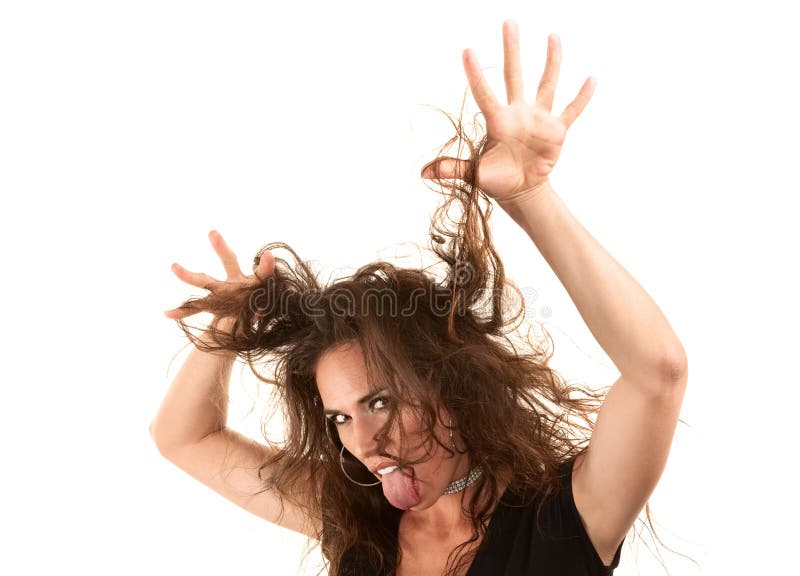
column 196, row 403
column 623, row 318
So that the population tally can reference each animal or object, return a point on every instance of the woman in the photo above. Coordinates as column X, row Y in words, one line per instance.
column 420, row 439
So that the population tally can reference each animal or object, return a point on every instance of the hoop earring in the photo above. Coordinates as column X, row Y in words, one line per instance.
column 341, row 458
column 341, row 465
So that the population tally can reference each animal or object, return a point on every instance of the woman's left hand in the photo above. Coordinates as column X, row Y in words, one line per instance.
column 523, row 140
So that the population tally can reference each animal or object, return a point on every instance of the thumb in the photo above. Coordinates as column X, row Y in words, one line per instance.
column 265, row 266
column 445, row 168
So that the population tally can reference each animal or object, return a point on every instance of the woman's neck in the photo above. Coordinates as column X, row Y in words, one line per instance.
column 446, row 518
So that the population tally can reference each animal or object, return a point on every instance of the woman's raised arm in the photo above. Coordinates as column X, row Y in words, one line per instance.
column 196, row 403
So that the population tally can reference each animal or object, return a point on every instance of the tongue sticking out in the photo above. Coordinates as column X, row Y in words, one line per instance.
column 399, row 489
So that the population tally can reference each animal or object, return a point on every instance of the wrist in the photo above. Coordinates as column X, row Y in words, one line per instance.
column 208, row 341
column 526, row 198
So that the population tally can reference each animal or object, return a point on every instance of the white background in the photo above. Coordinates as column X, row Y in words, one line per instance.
column 128, row 130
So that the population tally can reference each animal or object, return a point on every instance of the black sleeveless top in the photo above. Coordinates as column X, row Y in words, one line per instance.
column 512, row 546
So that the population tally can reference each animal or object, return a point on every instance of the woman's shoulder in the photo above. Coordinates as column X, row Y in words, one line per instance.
column 546, row 519
column 519, row 491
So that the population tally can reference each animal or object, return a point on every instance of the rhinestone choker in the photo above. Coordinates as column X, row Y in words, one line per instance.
column 462, row 483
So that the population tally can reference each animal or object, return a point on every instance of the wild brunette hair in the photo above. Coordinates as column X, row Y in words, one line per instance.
column 449, row 340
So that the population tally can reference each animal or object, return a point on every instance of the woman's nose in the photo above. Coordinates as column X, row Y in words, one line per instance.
column 364, row 436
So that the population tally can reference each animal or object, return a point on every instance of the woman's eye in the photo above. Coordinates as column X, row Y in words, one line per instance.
column 339, row 419
column 335, row 419
column 382, row 399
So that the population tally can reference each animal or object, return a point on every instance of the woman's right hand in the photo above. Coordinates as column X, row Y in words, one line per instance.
column 235, row 280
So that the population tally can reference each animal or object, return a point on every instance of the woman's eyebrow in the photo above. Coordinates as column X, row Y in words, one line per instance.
column 362, row 400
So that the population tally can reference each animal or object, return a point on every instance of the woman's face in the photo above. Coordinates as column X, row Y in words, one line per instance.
column 358, row 416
